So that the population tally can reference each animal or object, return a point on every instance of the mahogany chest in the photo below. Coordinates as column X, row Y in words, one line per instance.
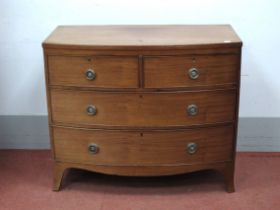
column 143, row 100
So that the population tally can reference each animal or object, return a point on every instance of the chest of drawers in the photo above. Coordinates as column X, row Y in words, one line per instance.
column 143, row 100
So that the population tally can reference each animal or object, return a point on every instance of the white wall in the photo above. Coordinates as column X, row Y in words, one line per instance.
column 24, row 24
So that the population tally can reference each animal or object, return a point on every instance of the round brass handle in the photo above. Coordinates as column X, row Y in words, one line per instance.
column 91, row 110
column 192, row 148
column 193, row 73
column 90, row 74
column 192, row 110
column 93, row 148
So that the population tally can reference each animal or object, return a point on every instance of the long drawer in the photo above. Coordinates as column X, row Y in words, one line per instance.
column 190, row 71
column 142, row 109
column 97, row 71
column 143, row 148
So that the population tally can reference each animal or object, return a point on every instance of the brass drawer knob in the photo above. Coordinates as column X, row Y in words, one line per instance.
column 193, row 73
column 93, row 148
column 91, row 110
column 192, row 148
column 192, row 110
column 90, row 74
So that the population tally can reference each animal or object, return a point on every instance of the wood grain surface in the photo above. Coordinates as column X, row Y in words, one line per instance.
column 111, row 71
column 142, row 109
column 143, row 148
column 142, row 36
column 172, row 71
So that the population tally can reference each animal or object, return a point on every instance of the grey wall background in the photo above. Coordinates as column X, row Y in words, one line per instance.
column 31, row 132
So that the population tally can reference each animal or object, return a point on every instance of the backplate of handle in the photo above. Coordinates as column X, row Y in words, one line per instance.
column 93, row 148
column 90, row 74
column 193, row 73
column 192, row 110
column 91, row 110
column 192, row 148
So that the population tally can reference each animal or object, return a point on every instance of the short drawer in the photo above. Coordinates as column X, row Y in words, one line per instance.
column 142, row 109
column 98, row 71
column 190, row 71
column 101, row 147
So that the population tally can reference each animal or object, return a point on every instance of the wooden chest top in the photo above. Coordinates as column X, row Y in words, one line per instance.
column 142, row 37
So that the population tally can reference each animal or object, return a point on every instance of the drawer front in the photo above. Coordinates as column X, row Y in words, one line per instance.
column 142, row 109
column 99, row 71
column 190, row 71
column 148, row 147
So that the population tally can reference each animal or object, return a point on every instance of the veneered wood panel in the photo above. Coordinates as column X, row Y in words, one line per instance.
column 142, row 37
column 142, row 109
column 173, row 71
column 145, row 148
column 111, row 71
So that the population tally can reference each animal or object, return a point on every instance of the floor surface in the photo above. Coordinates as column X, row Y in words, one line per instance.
column 26, row 182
